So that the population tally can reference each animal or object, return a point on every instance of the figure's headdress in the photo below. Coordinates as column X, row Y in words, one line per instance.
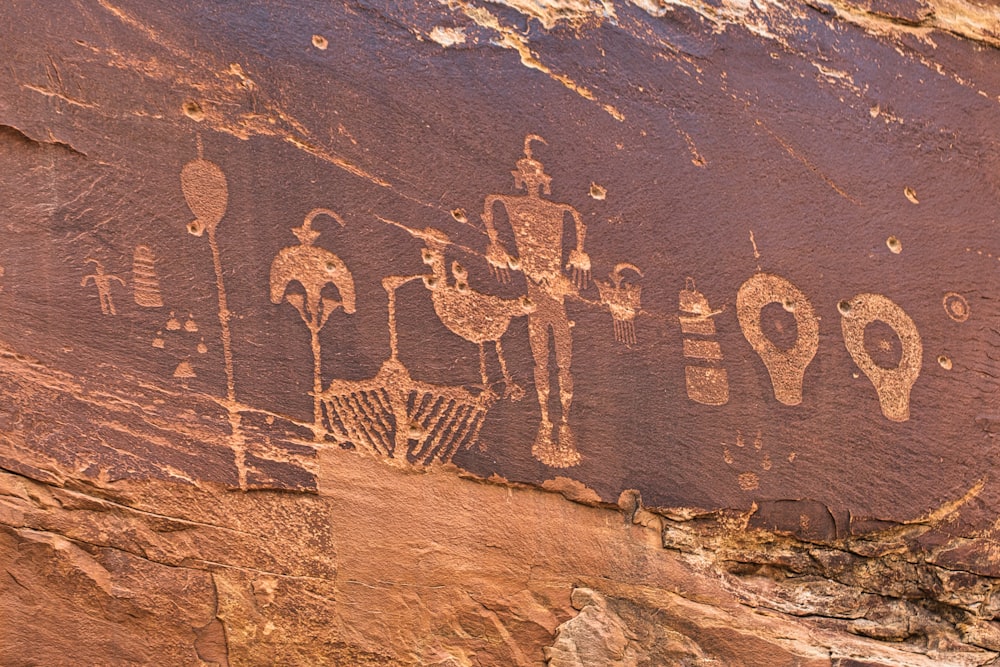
column 531, row 170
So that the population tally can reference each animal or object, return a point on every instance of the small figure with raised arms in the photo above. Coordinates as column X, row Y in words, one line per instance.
column 538, row 230
column 102, row 281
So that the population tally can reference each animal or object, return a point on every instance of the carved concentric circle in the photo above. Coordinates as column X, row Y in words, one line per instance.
column 956, row 307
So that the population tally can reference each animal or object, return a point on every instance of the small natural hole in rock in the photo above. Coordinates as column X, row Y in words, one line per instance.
column 319, row 41
column 844, row 307
column 194, row 111
column 895, row 245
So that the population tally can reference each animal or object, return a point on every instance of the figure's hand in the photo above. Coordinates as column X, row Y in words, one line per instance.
column 579, row 262
column 499, row 261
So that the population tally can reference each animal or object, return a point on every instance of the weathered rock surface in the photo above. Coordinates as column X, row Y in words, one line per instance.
column 489, row 332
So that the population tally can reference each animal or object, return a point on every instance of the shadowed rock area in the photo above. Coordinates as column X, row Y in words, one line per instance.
column 525, row 332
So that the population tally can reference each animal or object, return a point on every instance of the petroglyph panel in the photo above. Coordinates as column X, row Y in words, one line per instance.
column 490, row 262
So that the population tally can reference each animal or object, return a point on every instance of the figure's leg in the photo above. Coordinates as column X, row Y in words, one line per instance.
column 482, row 367
column 563, row 337
column 538, row 336
column 510, row 387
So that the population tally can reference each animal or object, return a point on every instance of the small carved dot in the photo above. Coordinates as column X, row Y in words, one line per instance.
column 598, row 192
column 945, row 362
column 319, row 41
column 895, row 245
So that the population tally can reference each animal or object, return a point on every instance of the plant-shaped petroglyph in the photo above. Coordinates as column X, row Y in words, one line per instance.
column 474, row 316
column 207, row 195
column 538, row 230
column 624, row 300
column 313, row 268
column 102, row 281
column 743, row 457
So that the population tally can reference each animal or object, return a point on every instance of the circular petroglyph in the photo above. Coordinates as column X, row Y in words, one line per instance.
column 955, row 306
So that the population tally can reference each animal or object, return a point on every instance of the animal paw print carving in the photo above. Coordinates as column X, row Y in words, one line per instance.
column 745, row 457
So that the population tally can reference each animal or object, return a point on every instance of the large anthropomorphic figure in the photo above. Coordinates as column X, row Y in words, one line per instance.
column 538, row 230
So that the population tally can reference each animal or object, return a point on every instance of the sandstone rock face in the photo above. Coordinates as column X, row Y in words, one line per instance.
column 484, row 332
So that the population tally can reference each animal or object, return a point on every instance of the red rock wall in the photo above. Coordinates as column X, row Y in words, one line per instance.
column 499, row 333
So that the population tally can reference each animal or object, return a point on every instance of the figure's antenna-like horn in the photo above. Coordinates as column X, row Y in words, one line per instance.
column 527, row 144
column 307, row 223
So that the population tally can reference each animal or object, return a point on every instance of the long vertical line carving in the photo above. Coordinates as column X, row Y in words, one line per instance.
column 207, row 195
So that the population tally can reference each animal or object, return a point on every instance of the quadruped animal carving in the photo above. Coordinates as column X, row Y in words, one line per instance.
column 475, row 316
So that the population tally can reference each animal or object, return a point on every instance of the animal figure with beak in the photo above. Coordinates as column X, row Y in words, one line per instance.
column 538, row 229
column 474, row 316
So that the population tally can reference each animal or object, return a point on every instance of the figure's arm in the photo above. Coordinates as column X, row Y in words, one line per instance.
column 497, row 256
column 488, row 217
column 581, row 229
column 86, row 279
column 118, row 279
column 579, row 260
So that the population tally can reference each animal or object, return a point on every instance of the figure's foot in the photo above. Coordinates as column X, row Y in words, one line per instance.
column 542, row 448
column 561, row 454
column 567, row 446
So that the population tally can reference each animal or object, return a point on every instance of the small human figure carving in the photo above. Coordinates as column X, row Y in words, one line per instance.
column 538, row 230
column 102, row 281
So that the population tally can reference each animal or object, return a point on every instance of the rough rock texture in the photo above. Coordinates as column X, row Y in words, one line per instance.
column 482, row 332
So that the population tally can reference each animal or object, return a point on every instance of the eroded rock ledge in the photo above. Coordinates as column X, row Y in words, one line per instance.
column 481, row 332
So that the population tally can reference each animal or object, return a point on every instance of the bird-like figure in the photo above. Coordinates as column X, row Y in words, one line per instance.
column 474, row 316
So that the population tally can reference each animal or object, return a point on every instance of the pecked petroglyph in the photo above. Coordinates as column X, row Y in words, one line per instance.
column 707, row 382
column 313, row 268
column 102, row 281
column 786, row 367
column 538, row 228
